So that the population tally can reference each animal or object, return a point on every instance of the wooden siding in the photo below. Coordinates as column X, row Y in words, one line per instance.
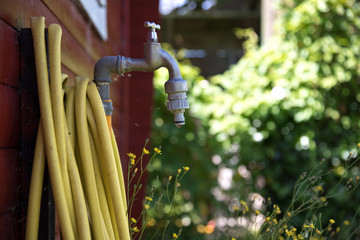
column 81, row 48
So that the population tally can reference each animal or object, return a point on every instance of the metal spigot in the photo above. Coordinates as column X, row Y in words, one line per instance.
column 154, row 58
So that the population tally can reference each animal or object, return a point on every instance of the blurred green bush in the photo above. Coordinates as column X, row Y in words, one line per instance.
column 283, row 107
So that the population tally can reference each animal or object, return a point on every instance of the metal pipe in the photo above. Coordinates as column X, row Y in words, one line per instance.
column 154, row 58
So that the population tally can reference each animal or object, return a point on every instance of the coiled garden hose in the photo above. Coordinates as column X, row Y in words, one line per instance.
column 79, row 145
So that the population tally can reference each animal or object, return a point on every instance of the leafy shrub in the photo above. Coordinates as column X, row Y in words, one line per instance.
column 271, row 116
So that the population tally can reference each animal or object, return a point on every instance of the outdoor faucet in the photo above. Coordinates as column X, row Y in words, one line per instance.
column 154, row 58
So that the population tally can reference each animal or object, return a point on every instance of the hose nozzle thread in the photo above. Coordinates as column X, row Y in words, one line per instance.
column 177, row 99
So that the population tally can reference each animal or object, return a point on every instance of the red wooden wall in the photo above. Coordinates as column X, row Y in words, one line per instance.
column 81, row 48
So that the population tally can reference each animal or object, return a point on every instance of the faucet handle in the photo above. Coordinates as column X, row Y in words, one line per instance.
column 151, row 25
column 151, row 36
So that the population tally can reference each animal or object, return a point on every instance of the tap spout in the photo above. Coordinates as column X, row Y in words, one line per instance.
column 170, row 63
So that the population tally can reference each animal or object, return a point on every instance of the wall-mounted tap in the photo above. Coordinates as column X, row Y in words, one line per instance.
column 154, row 58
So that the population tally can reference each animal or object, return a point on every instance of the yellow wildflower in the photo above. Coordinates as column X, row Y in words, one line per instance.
column 277, row 211
column 132, row 161
column 318, row 188
column 357, row 178
column 338, row 229
column 358, row 145
column 186, row 168
column 170, row 177
column 275, row 221
column 346, row 222
column 135, row 170
column 178, row 184
column 257, row 212
column 133, row 220
column 146, row 151
column 288, row 232
column 157, row 150
column 288, row 213
column 331, row 221
column 312, row 226
column 318, row 232
column 131, row 155
column 146, row 207
column 235, row 208
column 179, row 170
column 148, row 198
column 323, row 199
column 267, row 219
column 233, row 239
column 135, row 229
column 305, row 226
column 300, row 237
column 175, row 236
column 244, row 204
column 293, row 229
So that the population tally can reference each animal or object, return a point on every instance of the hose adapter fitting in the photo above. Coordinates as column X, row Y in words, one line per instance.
column 176, row 89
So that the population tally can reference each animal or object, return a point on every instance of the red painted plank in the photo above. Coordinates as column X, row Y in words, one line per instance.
column 9, row 161
column 10, row 56
column 136, row 91
column 18, row 13
column 78, row 25
column 10, row 117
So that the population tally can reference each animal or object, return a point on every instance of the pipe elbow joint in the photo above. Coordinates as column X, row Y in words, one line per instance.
column 105, row 67
column 102, row 77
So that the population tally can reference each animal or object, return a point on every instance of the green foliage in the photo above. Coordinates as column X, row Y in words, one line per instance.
column 182, row 146
column 271, row 116
column 154, row 202
column 309, row 199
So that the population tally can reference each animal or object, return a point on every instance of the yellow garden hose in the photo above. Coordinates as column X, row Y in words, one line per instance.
column 109, row 160
column 85, row 157
column 38, row 27
column 36, row 184
column 78, row 194
column 55, row 33
column 99, row 150
column 81, row 152
column 70, row 113
column 104, row 206
column 118, row 167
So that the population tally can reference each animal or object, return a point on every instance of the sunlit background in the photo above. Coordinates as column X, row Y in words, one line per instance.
column 269, row 100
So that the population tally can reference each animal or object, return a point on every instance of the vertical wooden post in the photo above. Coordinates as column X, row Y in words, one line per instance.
column 268, row 16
